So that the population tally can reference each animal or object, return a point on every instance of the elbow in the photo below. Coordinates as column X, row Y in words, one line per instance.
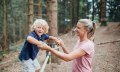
column 28, row 38
column 67, row 59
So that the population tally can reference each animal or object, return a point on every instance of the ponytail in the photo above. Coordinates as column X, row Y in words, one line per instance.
column 92, row 31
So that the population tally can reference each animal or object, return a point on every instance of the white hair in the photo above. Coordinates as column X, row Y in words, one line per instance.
column 40, row 22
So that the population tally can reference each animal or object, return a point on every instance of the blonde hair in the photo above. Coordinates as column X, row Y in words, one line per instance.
column 89, row 25
column 40, row 22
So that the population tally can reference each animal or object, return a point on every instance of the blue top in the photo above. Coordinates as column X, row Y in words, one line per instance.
column 30, row 50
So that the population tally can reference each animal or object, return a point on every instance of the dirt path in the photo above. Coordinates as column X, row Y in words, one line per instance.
column 107, row 55
column 106, row 59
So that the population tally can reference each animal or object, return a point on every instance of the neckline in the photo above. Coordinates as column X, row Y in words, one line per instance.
column 84, row 41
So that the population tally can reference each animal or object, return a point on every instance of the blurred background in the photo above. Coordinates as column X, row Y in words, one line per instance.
column 16, row 17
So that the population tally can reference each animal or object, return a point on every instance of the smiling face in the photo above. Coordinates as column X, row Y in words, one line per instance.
column 39, row 30
column 40, row 27
column 80, row 29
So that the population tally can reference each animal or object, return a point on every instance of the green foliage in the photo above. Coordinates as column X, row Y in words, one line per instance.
column 17, row 18
column 83, row 9
column 113, row 10
column 63, row 15
column 1, row 17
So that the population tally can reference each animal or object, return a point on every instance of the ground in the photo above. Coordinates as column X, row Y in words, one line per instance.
column 106, row 59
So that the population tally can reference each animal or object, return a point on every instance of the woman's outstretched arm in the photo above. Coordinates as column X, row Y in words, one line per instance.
column 68, row 57
column 65, row 50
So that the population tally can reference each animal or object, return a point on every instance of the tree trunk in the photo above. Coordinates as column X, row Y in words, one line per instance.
column 103, row 13
column 76, row 11
column 72, row 13
column 14, row 35
column 38, row 9
column 52, row 21
column 52, row 16
column 30, row 16
column 93, row 9
column 5, row 27
column 20, row 33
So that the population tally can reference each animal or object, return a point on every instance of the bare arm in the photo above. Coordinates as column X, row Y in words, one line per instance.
column 59, row 42
column 68, row 57
column 32, row 40
column 53, row 38
column 64, row 49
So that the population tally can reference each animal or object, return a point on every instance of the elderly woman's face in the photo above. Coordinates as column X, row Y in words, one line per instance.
column 80, row 29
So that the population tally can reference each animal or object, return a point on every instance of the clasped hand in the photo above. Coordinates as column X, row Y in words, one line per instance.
column 59, row 42
column 44, row 46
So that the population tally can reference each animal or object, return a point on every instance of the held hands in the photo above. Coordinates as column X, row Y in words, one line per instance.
column 59, row 42
column 44, row 46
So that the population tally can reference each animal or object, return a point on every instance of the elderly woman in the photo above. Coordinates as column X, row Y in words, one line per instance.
column 83, row 51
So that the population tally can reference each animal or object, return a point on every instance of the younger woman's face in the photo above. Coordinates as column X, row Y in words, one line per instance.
column 39, row 30
column 80, row 29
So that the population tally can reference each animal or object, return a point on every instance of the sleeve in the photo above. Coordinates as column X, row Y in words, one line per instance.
column 88, row 48
column 31, row 34
column 46, row 36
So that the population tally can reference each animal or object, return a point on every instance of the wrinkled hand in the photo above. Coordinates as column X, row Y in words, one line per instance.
column 43, row 46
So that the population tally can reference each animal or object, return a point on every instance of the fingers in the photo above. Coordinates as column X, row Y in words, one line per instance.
column 59, row 42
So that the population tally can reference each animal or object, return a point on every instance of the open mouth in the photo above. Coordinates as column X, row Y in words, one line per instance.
column 39, row 33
